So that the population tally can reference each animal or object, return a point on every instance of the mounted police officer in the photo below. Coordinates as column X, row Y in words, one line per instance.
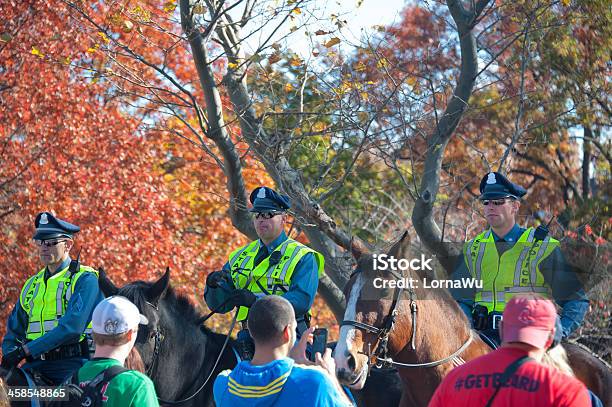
column 50, row 323
column 509, row 260
column 271, row 265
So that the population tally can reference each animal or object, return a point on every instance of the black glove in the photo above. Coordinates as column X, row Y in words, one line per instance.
column 215, row 278
column 13, row 358
column 243, row 298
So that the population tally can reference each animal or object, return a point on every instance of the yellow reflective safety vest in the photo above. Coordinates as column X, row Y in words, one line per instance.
column 45, row 302
column 266, row 279
column 516, row 271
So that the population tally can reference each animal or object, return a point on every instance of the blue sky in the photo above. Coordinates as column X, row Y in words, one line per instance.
column 369, row 13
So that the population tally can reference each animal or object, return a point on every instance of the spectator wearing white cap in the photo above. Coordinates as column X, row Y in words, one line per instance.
column 115, row 324
column 512, row 375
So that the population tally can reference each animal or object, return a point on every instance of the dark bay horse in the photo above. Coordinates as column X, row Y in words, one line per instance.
column 423, row 328
column 179, row 353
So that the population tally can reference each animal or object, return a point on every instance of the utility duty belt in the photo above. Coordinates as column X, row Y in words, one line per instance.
column 66, row 351
column 483, row 319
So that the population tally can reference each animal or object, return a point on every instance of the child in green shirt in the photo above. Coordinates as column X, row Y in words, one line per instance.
column 115, row 325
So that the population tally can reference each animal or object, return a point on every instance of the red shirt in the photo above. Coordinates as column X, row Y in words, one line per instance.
column 533, row 384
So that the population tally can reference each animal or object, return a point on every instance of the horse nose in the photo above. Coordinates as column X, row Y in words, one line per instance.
column 343, row 375
column 350, row 361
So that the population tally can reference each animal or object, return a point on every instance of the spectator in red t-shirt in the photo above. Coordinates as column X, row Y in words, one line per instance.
column 527, row 329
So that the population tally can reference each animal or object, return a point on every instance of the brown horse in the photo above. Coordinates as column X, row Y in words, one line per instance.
column 421, row 331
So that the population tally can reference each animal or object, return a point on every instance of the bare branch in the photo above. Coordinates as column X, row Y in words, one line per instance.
column 217, row 130
column 422, row 215
column 521, row 105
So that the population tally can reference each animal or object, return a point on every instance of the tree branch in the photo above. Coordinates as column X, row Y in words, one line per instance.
column 422, row 215
column 217, row 130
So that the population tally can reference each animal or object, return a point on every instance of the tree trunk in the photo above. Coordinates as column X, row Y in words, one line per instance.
column 422, row 215
column 217, row 130
column 586, row 162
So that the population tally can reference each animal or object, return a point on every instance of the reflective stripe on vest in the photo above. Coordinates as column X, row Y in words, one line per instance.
column 516, row 271
column 265, row 279
column 45, row 302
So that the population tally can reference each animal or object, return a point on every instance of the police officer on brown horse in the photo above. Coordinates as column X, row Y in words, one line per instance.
column 509, row 260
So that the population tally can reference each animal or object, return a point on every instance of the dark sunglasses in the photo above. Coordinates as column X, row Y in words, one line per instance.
column 496, row 202
column 266, row 215
column 48, row 243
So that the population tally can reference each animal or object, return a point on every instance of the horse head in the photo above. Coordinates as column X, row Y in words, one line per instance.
column 374, row 313
column 395, row 317
column 147, row 296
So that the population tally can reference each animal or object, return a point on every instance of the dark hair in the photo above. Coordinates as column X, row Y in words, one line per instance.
column 268, row 317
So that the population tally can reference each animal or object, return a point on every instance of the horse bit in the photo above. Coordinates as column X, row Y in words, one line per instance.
column 382, row 335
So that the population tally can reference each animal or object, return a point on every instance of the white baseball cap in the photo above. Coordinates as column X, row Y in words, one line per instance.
column 116, row 315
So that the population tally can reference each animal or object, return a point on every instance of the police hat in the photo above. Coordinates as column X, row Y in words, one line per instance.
column 49, row 227
column 496, row 186
column 266, row 199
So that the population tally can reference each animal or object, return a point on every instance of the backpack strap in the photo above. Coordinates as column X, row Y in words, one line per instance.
column 74, row 379
column 510, row 370
column 105, row 376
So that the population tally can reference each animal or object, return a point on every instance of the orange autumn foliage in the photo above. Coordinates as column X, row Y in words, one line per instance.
column 70, row 143
column 84, row 134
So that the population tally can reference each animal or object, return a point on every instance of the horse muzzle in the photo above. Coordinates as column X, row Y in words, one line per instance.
column 355, row 379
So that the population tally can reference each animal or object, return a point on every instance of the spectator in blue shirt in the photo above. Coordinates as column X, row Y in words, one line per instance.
column 273, row 378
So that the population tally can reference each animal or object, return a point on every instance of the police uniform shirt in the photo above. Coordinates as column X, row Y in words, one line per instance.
column 302, row 290
column 566, row 288
column 70, row 326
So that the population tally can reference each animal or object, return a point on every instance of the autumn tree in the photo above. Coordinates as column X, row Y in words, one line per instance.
column 83, row 147
column 396, row 135
column 361, row 128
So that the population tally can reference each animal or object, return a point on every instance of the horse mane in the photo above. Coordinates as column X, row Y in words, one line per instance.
column 591, row 352
column 177, row 303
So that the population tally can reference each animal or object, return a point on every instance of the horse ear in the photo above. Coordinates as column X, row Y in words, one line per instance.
column 358, row 248
column 158, row 289
column 106, row 285
column 401, row 248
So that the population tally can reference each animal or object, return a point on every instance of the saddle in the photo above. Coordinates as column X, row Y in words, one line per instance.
column 25, row 377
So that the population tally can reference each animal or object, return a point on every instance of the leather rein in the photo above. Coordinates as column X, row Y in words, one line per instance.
column 159, row 337
column 382, row 335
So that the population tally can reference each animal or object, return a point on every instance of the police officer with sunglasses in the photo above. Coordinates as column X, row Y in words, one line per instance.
column 509, row 260
column 274, row 264
column 51, row 322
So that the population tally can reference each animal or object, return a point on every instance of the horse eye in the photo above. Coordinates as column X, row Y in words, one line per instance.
column 151, row 334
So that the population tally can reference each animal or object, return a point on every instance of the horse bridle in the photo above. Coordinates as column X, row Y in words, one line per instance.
column 159, row 337
column 382, row 334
